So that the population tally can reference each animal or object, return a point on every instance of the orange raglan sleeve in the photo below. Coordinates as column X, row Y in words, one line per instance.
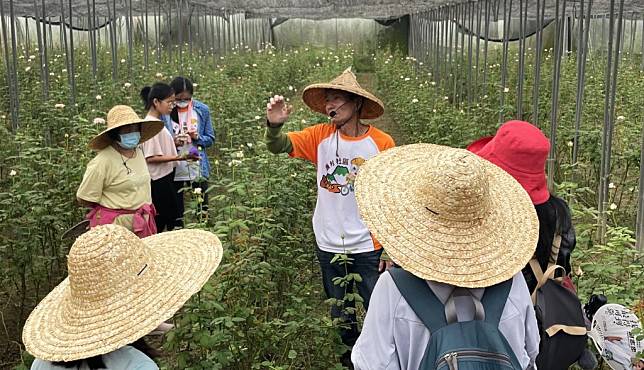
column 383, row 140
column 305, row 143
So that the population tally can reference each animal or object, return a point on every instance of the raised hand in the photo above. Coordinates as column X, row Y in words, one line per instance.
column 277, row 110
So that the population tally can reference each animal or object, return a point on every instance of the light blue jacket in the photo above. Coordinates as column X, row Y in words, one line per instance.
column 206, row 133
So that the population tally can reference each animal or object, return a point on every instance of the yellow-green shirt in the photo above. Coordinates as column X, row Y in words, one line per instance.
column 108, row 182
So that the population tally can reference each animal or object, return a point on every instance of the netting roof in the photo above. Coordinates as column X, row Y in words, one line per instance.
column 314, row 9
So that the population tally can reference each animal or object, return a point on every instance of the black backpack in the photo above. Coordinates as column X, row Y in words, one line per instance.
column 562, row 327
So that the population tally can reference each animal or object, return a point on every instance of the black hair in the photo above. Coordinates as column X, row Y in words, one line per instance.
column 96, row 362
column 159, row 90
column 181, row 84
column 554, row 218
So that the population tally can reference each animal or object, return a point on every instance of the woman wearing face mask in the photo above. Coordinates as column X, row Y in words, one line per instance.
column 161, row 156
column 116, row 183
column 191, row 126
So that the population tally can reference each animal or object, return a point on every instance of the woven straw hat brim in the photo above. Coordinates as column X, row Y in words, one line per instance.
column 448, row 247
column 181, row 263
column 314, row 97
column 149, row 128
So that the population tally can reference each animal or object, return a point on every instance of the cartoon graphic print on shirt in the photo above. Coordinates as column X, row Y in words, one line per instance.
column 341, row 175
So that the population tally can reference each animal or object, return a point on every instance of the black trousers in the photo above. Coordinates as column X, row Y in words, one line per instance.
column 165, row 202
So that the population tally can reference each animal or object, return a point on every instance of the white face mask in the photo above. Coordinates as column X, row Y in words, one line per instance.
column 182, row 103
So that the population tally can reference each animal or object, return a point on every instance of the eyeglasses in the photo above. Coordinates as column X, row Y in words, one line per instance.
column 171, row 103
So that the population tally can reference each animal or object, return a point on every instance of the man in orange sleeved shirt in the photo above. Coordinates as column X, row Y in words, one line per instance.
column 337, row 149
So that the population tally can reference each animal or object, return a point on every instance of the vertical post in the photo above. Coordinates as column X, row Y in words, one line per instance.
column 507, row 12
column 129, row 26
column 112, row 16
column 14, row 72
column 541, row 10
column 469, row 53
column 581, row 77
column 478, row 48
column 180, row 27
column 608, row 134
column 44, row 56
column 554, row 111
column 485, row 45
column 146, row 41
column 40, row 50
column 523, row 20
column 9, row 68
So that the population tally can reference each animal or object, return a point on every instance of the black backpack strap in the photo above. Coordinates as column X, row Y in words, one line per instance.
column 420, row 298
column 494, row 300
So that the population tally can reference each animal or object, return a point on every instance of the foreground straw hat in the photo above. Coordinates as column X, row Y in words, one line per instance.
column 446, row 215
column 315, row 95
column 119, row 289
column 123, row 115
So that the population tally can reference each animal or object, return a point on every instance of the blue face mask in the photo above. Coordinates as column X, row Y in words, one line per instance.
column 129, row 140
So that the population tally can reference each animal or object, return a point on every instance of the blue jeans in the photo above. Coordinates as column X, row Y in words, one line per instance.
column 364, row 264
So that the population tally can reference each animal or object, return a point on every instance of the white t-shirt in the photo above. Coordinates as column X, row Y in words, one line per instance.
column 336, row 222
column 161, row 144
column 394, row 338
column 188, row 121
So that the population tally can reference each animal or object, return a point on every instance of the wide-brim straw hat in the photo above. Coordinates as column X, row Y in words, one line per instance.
column 446, row 215
column 521, row 149
column 123, row 115
column 315, row 95
column 119, row 289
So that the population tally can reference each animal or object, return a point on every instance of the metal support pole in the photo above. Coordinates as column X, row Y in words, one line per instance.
column 504, row 67
column 523, row 20
column 554, row 110
column 581, row 77
column 40, row 50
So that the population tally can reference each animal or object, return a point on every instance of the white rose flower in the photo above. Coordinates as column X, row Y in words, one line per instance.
column 127, row 85
column 611, row 186
column 414, row 100
column 27, row 69
column 99, row 97
column 99, row 121
column 13, row 173
column 506, row 90
column 620, row 118
column 613, row 206
column 59, row 106
column 159, row 74
column 196, row 190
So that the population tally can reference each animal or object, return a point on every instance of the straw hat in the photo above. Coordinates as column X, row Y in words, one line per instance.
column 446, row 215
column 521, row 149
column 315, row 95
column 123, row 115
column 119, row 289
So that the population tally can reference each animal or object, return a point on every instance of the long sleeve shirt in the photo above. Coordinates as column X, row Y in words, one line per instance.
column 394, row 338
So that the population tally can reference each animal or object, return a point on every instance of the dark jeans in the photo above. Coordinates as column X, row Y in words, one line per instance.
column 364, row 264
column 180, row 196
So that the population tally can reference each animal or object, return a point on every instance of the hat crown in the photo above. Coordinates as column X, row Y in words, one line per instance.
column 347, row 78
column 459, row 188
column 103, row 262
column 121, row 115
column 521, row 146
